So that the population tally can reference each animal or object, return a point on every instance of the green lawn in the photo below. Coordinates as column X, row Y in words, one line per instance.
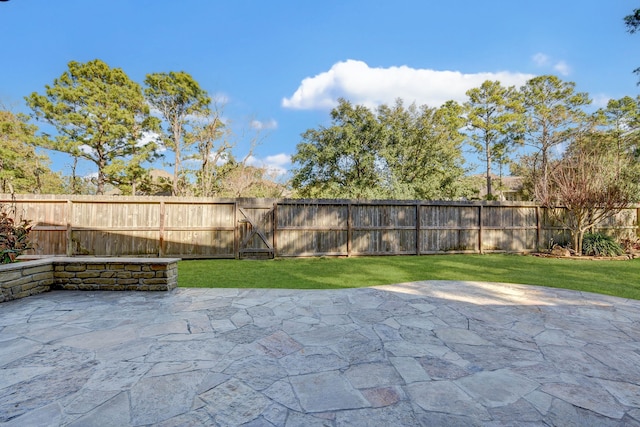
column 619, row 278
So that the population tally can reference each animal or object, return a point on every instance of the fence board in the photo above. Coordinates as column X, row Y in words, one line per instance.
column 228, row 228
column 453, row 228
column 310, row 229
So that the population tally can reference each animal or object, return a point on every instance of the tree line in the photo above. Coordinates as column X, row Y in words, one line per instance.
column 391, row 152
column 417, row 152
column 100, row 115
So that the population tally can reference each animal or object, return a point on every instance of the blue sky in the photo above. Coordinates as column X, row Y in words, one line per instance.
column 280, row 65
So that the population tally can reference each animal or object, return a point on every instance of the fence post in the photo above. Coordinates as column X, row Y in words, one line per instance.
column 349, row 228
column 275, row 229
column 538, row 229
column 480, row 230
column 418, row 242
column 69, row 228
column 161, row 230
column 236, row 232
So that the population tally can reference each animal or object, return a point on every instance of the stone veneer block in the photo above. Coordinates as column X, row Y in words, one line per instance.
column 75, row 266
column 27, row 278
column 19, row 280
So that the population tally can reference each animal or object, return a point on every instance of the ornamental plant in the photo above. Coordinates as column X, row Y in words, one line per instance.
column 598, row 244
column 14, row 237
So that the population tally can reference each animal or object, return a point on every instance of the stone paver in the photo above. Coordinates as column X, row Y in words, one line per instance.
column 431, row 353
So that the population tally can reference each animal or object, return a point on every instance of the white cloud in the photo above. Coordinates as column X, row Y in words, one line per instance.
column 600, row 100
column 278, row 159
column 220, row 99
column 356, row 81
column 90, row 176
column 86, row 149
column 259, row 125
column 149, row 137
column 198, row 119
column 154, row 111
column 221, row 160
column 274, row 164
column 562, row 68
column 544, row 61
column 540, row 59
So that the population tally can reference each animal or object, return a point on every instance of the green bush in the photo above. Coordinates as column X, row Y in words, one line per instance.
column 14, row 237
column 598, row 244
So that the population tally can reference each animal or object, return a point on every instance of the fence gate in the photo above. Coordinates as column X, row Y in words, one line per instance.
column 255, row 229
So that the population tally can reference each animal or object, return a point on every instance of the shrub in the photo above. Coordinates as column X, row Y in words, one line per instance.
column 14, row 237
column 599, row 244
column 630, row 244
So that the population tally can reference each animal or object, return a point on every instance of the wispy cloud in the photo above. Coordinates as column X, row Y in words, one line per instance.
column 220, row 99
column 260, row 125
column 275, row 164
column 600, row 100
column 372, row 86
column 562, row 68
column 542, row 60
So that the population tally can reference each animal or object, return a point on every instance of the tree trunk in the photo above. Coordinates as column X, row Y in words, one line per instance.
column 101, row 177
column 579, row 239
column 100, row 184
column 578, row 234
column 489, row 186
column 176, row 165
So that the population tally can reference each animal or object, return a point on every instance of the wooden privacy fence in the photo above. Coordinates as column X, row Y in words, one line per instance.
column 250, row 228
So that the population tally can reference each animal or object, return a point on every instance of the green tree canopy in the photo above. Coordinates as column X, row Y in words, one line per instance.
column 100, row 115
column 622, row 120
column 554, row 115
column 213, row 151
column 632, row 21
column 494, row 121
column 22, row 169
column 342, row 160
column 422, row 151
column 396, row 152
column 178, row 98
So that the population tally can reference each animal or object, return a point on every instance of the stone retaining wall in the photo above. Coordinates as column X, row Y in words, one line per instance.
column 22, row 279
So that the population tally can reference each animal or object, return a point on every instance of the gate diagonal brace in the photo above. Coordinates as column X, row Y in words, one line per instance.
column 255, row 230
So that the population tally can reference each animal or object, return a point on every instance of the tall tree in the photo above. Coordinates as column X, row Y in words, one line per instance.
column 213, row 149
column 553, row 116
column 178, row 98
column 422, row 150
column 342, row 160
column 22, row 169
column 494, row 120
column 99, row 113
column 622, row 121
